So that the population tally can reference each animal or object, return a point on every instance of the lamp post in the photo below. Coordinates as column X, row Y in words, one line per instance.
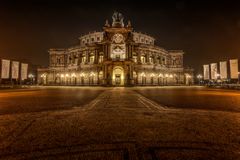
column 62, row 78
column 160, row 79
column 199, row 77
column 74, row 78
column 188, row 77
column 44, row 80
column 31, row 76
column 238, row 77
column 218, row 77
column 166, row 75
column 67, row 78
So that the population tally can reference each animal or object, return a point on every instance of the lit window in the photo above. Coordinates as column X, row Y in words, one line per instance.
column 135, row 59
column 143, row 59
column 151, row 60
column 100, row 59
column 91, row 59
column 58, row 61
column 83, row 59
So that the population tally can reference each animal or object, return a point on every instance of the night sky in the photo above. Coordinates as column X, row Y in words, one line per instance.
column 206, row 31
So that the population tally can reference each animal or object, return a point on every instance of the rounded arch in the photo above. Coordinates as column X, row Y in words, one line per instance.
column 118, row 75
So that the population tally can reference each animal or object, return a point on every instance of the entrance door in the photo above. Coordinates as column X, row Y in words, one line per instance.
column 118, row 79
column 118, row 76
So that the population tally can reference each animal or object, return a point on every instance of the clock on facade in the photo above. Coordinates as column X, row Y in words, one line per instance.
column 118, row 38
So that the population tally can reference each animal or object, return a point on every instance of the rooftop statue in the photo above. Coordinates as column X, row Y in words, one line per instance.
column 117, row 19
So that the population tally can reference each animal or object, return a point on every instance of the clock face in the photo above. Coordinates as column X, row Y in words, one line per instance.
column 118, row 38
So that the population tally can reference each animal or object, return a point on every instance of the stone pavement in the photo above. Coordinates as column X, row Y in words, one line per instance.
column 121, row 124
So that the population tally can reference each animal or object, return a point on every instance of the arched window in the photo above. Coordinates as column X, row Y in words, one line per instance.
column 143, row 59
column 92, row 58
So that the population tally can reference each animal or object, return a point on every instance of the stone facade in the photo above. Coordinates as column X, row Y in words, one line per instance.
column 117, row 56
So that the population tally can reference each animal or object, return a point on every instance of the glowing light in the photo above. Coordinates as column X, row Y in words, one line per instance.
column 62, row 75
column 160, row 75
column 188, row 76
column 199, row 76
column 82, row 75
column 166, row 75
column 67, row 75
column 73, row 75
column 171, row 76
column 30, row 76
column 143, row 74
column 43, row 75
column 92, row 74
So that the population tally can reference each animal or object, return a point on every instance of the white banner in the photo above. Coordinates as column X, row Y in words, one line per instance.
column 24, row 69
column 5, row 69
column 15, row 70
column 214, row 71
column 234, row 68
column 223, row 70
column 206, row 72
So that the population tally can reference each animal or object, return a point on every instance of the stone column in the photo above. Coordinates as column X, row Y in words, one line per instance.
column 138, row 57
column 147, row 57
column 96, row 57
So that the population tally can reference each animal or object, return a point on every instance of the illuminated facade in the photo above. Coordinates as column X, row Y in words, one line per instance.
column 117, row 56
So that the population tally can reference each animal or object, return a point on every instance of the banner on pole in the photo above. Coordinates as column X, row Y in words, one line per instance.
column 223, row 70
column 234, row 68
column 214, row 71
column 5, row 72
column 206, row 72
column 24, row 71
column 15, row 70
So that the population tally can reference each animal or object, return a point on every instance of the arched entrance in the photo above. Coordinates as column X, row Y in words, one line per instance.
column 118, row 76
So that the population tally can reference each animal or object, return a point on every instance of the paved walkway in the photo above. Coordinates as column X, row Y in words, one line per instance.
column 120, row 124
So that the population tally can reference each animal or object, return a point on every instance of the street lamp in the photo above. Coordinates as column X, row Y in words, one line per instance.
column 166, row 75
column 218, row 77
column 188, row 77
column 43, row 76
column 199, row 77
column 160, row 79
column 62, row 78
column 238, row 77
column 73, row 75
column 31, row 76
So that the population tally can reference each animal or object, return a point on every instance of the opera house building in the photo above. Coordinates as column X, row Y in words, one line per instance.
column 116, row 56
